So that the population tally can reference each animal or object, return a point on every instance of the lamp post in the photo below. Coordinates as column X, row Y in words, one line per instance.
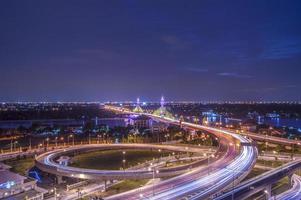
column 15, row 145
column 55, row 194
column 123, row 160
column 98, row 138
column 55, row 141
column 154, row 171
column 11, row 145
column 62, row 139
column 159, row 150
column 71, row 136
column 276, row 157
column 47, row 143
column 40, row 145
column 233, row 180
column 30, row 142
column 208, row 159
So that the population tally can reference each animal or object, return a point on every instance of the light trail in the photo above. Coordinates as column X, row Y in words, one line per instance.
column 292, row 194
column 234, row 164
column 46, row 162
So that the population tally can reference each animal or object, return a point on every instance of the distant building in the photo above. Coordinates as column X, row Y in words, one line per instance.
column 113, row 122
column 64, row 160
column 141, row 122
column 249, row 127
column 273, row 115
column 158, row 127
column 15, row 186
column 12, row 124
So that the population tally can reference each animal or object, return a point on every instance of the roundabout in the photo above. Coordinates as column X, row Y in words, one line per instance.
column 233, row 160
column 47, row 162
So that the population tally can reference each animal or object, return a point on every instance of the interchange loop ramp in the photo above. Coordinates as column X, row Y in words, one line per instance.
column 232, row 164
column 293, row 193
column 47, row 162
column 259, row 183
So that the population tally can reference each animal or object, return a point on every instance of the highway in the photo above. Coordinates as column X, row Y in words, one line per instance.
column 235, row 158
column 271, row 139
column 292, row 194
column 47, row 162
column 258, row 183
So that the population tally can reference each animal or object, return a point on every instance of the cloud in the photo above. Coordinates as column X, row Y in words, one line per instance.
column 171, row 40
column 199, row 70
column 278, row 49
column 233, row 74
column 290, row 86
column 180, row 42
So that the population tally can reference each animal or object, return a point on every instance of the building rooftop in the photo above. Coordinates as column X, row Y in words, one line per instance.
column 23, row 195
column 142, row 117
column 8, row 178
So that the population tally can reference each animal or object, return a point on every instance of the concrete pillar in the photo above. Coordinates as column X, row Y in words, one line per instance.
column 268, row 192
column 105, row 183
column 290, row 181
column 59, row 179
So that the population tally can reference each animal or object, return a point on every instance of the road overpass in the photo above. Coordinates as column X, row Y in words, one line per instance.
column 294, row 193
column 236, row 158
column 262, row 182
column 47, row 162
column 272, row 139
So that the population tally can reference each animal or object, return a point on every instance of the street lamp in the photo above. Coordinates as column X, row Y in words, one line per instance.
column 208, row 159
column 154, row 171
column 62, row 139
column 98, row 137
column 275, row 153
column 123, row 159
column 71, row 136
column 47, row 142
column 30, row 142
column 159, row 150
column 55, row 194
column 15, row 145
column 55, row 141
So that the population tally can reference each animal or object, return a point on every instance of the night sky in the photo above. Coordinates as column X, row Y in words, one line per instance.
column 94, row 50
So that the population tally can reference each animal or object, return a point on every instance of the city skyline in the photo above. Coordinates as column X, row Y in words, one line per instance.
column 121, row 50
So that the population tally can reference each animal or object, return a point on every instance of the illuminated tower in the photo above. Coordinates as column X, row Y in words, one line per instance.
column 138, row 109
column 162, row 111
column 162, row 102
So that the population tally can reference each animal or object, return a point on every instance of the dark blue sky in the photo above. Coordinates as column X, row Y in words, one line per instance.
column 119, row 50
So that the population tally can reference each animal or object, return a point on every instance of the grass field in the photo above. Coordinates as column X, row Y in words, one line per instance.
column 20, row 166
column 112, row 159
column 124, row 186
column 253, row 173
column 270, row 163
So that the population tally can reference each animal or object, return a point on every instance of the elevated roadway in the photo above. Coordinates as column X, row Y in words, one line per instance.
column 236, row 157
column 262, row 182
column 294, row 193
column 272, row 139
column 47, row 162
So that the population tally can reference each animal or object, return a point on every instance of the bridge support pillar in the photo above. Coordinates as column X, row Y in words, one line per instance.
column 268, row 191
column 105, row 184
column 290, row 180
column 59, row 179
